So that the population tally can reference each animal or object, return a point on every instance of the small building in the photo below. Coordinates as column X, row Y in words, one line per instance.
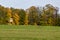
column 11, row 20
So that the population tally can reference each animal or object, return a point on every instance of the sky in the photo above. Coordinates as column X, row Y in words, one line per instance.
column 24, row 4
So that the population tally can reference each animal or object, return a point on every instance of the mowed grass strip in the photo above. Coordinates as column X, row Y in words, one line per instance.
column 29, row 32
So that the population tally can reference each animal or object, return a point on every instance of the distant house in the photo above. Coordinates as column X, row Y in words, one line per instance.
column 11, row 20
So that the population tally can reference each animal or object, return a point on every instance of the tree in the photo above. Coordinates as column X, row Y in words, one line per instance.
column 2, row 15
column 16, row 18
column 22, row 15
column 33, row 15
column 26, row 17
column 8, row 15
column 39, row 18
column 48, row 17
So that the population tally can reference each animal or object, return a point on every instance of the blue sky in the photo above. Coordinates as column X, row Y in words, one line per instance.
column 27, row 3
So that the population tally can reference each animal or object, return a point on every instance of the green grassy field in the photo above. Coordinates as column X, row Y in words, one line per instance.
column 31, row 32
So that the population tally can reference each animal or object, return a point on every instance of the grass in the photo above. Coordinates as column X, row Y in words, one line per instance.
column 29, row 32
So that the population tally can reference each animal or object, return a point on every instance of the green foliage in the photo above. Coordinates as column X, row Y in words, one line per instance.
column 33, row 15
column 22, row 14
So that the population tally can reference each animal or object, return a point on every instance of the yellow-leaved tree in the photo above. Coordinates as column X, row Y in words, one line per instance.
column 26, row 17
column 9, row 17
column 16, row 18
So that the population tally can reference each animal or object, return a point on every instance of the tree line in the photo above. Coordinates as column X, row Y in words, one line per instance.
column 44, row 16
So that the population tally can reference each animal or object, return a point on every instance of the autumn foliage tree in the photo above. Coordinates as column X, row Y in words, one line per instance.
column 26, row 17
column 47, row 15
column 33, row 15
column 16, row 19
